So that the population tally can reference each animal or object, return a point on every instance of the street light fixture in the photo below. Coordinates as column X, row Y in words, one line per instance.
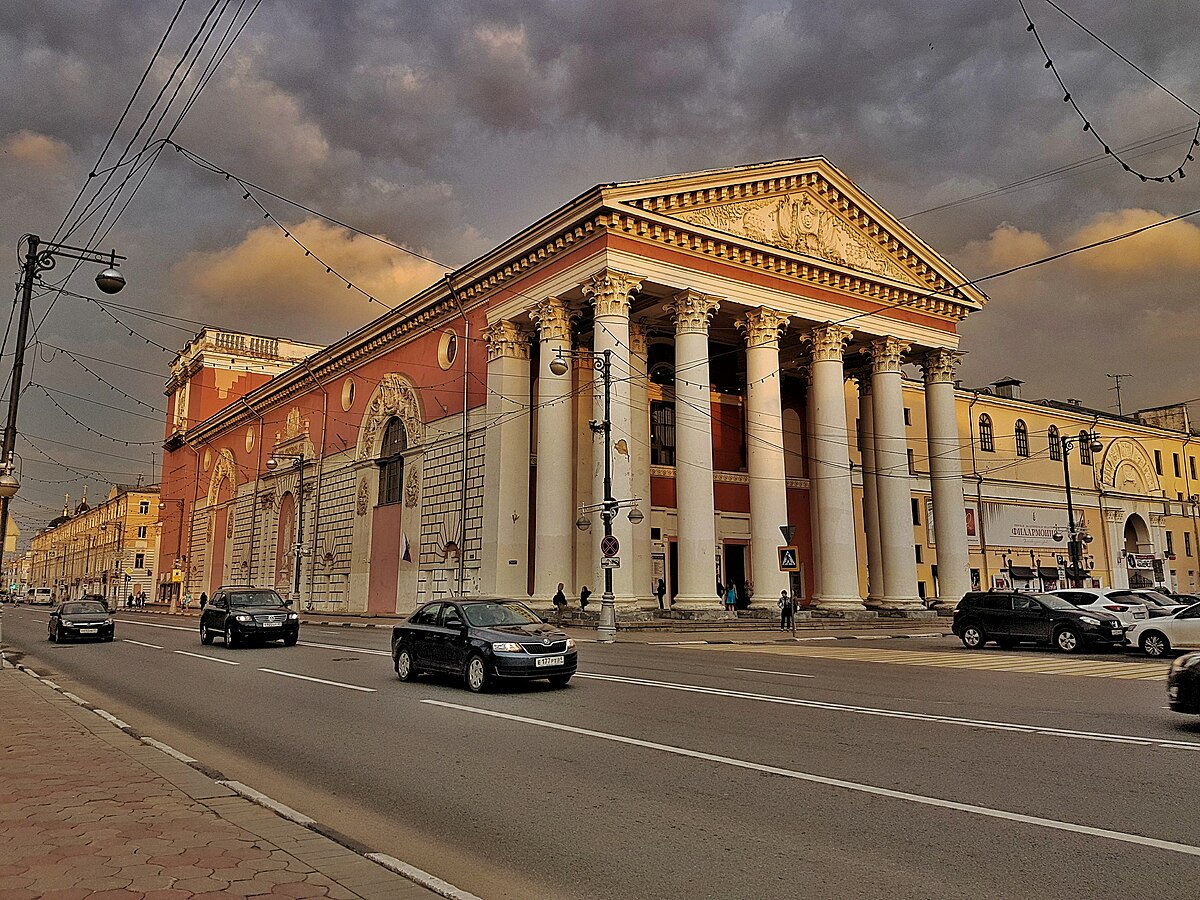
column 1076, row 537
column 606, row 628
column 298, row 460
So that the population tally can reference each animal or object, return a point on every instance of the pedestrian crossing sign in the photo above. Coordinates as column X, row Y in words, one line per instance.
column 789, row 559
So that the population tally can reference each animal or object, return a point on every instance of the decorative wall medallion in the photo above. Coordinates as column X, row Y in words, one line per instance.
column 364, row 497
column 1127, row 467
column 412, row 490
column 207, row 459
column 249, row 438
column 347, row 393
column 447, row 348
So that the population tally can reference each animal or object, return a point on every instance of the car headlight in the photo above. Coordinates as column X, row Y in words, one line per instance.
column 1089, row 620
column 242, row 617
column 107, row 622
column 570, row 643
column 506, row 647
column 293, row 616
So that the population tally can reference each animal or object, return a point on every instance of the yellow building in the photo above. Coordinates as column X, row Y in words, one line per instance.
column 109, row 549
column 1134, row 499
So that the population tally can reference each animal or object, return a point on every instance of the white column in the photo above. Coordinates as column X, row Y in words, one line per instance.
column 639, row 383
column 609, row 293
column 945, row 476
column 810, row 469
column 505, row 563
column 764, row 450
column 555, row 511
column 838, row 567
column 866, row 434
column 893, row 481
column 694, row 504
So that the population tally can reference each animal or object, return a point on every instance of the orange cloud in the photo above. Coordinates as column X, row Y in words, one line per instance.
column 268, row 280
column 1171, row 248
column 38, row 151
column 1007, row 246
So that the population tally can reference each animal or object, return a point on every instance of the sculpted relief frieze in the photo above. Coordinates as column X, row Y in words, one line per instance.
column 800, row 223
column 1127, row 467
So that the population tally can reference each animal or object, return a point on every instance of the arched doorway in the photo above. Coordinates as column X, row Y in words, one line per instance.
column 389, row 545
column 285, row 544
column 1139, row 550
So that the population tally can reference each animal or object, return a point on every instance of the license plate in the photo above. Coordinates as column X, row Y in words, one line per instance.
column 271, row 624
column 1117, row 631
column 549, row 661
column 89, row 630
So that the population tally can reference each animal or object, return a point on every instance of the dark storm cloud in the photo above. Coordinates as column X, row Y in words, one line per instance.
column 448, row 126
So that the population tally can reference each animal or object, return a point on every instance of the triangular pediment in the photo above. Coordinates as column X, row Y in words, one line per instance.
column 805, row 207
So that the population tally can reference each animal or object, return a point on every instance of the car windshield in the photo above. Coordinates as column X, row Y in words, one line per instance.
column 87, row 608
column 1051, row 601
column 255, row 598
column 483, row 615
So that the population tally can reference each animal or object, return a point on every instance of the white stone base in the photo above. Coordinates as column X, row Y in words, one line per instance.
column 902, row 603
column 840, row 603
column 691, row 603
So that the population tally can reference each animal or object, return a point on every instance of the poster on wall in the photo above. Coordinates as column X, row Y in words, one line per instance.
column 1027, row 527
column 971, row 515
column 1001, row 583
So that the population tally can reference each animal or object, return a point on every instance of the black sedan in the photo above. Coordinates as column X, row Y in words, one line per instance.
column 244, row 614
column 1183, row 684
column 482, row 639
column 80, row 620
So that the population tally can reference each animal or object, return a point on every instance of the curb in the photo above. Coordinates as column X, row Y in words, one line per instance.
column 798, row 640
column 398, row 867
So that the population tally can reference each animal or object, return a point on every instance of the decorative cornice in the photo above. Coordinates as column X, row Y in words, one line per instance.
column 692, row 311
column 609, row 292
column 763, row 327
column 508, row 340
column 940, row 366
column 887, row 354
column 553, row 319
column 828, row 341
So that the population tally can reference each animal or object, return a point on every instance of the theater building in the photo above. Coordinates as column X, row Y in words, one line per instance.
column 780, row 353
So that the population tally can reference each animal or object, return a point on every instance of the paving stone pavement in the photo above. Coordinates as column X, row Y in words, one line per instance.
column 87, row 810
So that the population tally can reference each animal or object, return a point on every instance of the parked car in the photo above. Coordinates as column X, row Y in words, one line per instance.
column 1158, row 637
column 1097, row 600
column 1183, row 684
column 1010, row 617
column 482, row 639
column 241, row 615
column 1157, row 603
column 1186, row 599
column 80, row 620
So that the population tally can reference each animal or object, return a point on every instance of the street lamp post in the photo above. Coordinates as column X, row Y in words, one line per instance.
column 606, row 628
column 38, row 258
column 298, row 462
column 1076, row 537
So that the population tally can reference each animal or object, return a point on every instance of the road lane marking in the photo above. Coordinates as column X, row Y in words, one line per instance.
column 341, row 684
column 227, row 662
column 885, row 713
column 770, row 672
column 857, row 787
column 351, row 649
column 156, row 625
column 140, row 644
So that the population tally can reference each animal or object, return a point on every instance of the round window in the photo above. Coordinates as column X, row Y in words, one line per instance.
column 347, row 393
column 447, row 349
column 249, row 439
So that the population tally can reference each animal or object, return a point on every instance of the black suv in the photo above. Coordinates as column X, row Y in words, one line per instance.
column 1010, row 617
column 244, row 614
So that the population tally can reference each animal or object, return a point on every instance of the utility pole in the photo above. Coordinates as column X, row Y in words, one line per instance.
column 1117, row 387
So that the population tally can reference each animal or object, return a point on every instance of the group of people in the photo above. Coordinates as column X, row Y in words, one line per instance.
column 560, row 600
column 136, row 600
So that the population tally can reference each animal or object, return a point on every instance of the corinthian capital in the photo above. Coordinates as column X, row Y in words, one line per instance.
column 609, row 292
column 763, row 326
column 828, row 341
column 553, row 319
column 692, row 311
column 940, row 365
column 887, row 354
column 506, row 339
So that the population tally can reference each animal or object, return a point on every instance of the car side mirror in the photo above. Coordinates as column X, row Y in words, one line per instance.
column 287, row 602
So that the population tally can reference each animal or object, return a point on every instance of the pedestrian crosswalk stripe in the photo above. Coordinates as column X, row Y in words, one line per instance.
column 982, row 661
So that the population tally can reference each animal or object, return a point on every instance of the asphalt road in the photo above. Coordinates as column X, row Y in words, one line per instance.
column 892, row 768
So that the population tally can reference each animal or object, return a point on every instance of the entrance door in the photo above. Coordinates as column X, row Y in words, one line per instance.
column 385, row 558
column 735, row 572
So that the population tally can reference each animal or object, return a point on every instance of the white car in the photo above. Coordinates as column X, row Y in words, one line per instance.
column 1156, row 602
column 1158, row 637
column 1097, row 600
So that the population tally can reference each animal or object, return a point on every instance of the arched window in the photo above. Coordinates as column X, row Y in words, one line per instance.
column 391, row 462
column 1022, row 434
column 1054, row 442
column 1085, row 448
column 987, row 440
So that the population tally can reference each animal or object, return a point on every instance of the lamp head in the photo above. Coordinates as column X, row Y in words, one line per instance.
column 1058, row 535
column 272, row 464
column 1095, row 445
column 635, row 516
column 558, row 365
column 583, row 523
column 110, row 281
column 9, row 485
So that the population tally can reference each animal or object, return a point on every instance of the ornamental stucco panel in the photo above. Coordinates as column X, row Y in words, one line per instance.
column 394, row 396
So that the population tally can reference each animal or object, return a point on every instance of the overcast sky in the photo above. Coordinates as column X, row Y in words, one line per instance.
column 447, row 126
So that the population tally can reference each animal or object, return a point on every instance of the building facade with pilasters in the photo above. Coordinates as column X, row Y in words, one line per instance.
column 756, row 323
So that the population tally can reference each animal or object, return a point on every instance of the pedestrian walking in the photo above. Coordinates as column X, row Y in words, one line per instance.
column 786, row 611
column 560, row 603
column 661, row 591
column 731, row 598
column 203, row 599
column 187, row 599
column 129, row 602
column 584, row 593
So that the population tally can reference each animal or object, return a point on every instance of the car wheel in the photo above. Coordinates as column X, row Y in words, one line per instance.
column 58, row 635
column 230, row 638
column 405, row 670
column 973, row 637
column 205, row 635
column 1155, row 644
column 1067, row 640
column 290, row 641
column 475, row 674
column 51, row 636
column 559, row 680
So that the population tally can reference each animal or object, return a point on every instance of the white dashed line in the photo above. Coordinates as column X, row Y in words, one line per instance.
column 769, row 672
column 352, row 687
column 227, row 662
column 140, row 644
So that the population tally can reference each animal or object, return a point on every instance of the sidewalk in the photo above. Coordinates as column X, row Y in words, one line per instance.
column 89, row 810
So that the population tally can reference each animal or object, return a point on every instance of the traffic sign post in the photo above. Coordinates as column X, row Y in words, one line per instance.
column 610, row 562
column 789, row 559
